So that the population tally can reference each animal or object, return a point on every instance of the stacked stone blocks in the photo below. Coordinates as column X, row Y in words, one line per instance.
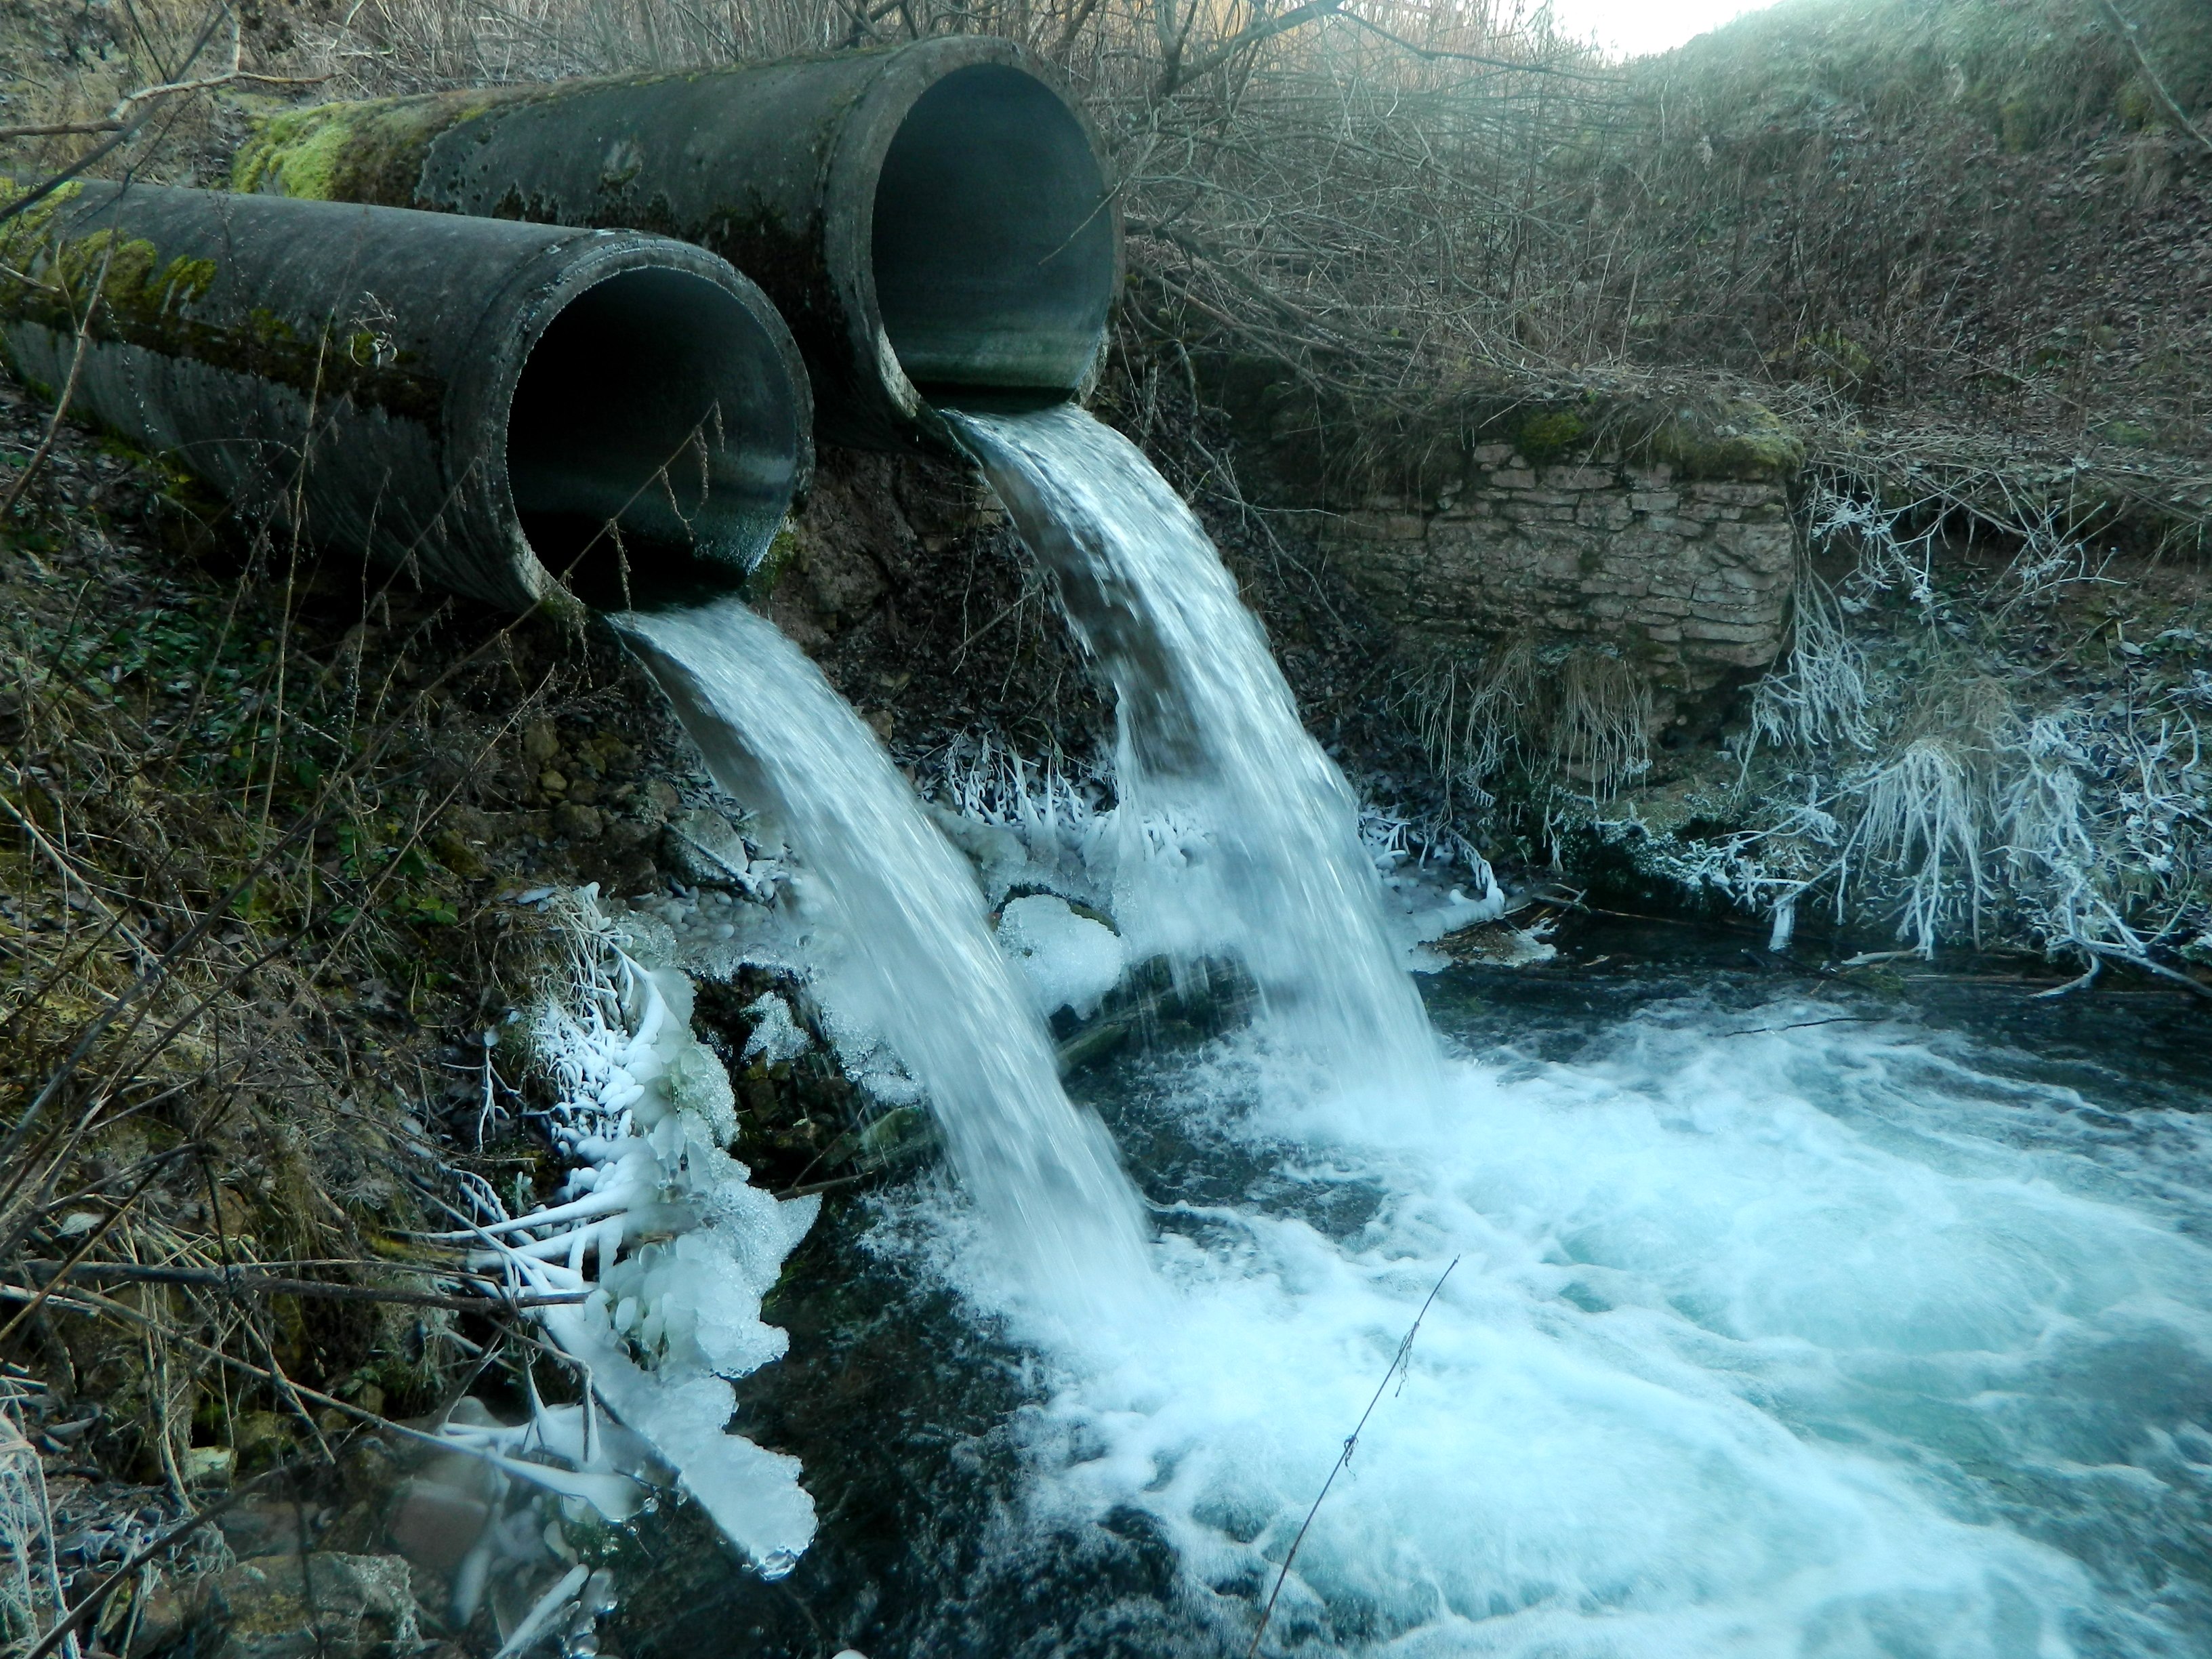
column 1686, row 578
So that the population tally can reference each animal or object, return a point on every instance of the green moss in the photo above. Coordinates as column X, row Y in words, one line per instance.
column 134, row 282
column 2022, row 123
column 1739, row 440
column 147, row 301
column 297, row 154
column 364, row 152
column 761, row 582
column 1545, row 436
column 2139, row 107
column 32, row 224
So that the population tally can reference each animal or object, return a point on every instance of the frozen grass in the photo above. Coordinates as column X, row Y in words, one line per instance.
column 1818, row 696
column 1576, row 720
column 30, row 1588
column 1921, row 824
column 1958, row 789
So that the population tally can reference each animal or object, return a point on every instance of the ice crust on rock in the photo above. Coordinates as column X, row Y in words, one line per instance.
column 775, row 1036
column 1066, row 961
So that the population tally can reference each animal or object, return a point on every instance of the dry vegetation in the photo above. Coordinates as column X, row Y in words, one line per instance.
column 260, row 814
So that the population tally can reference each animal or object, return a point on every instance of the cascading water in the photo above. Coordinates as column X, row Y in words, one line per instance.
column 1253, row 832
column 1767, row 1344
column 1779, row 1332
column 908, row 946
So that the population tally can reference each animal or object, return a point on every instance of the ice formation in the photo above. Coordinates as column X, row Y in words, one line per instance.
column 1068, row 961
column 662, row 1229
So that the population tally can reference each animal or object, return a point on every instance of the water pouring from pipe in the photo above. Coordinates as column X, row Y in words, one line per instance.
column 900, row 924
column 1238, row 831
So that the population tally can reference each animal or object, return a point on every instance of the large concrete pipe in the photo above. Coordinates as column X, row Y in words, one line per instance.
column 519, row 413
column 932, row 219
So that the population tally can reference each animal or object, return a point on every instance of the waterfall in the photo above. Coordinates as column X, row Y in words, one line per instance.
column 910, row 955
column 1253, row 831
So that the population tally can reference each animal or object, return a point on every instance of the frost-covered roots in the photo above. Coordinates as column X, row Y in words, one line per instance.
column 1764, row 1342
column 1582, row 720
column 1963, row 788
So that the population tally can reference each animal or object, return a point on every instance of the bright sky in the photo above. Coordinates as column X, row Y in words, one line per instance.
column 1635, row 27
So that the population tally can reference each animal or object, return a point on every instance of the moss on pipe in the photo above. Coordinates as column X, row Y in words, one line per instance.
column 123, row 291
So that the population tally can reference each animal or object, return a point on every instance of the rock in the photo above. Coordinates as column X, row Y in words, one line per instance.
column 577, row 822
column 436, row 1523
column 262, row 1436
column 540, row 742
column 274, row 1528
column 701, row 846
column 289, row 1607
column 460, row 851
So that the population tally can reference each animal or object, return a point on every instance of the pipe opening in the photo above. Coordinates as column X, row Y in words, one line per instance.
column 652, row 442
column 993, row 242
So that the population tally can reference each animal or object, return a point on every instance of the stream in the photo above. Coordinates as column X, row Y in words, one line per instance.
column 1654, row 1302
column 1788, row 1319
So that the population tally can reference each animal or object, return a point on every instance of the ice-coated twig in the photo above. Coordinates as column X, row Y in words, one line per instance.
column 543, row 1611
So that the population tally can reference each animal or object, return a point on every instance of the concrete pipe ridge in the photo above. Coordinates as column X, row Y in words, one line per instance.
column 524, row 414
column 934, row 220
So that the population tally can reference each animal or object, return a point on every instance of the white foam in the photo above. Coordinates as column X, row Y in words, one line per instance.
column 1768, row 1343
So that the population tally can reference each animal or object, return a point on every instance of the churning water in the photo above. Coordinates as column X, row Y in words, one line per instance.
column 900, row 927
column 1769, row 1336
column 1249, row 834
column 1783, row 1328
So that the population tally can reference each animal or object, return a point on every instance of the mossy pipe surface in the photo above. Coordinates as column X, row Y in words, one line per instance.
column 525, row 414
column 934, row 220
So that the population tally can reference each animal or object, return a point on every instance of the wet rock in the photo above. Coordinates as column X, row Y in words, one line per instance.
column 461, row 841
column 437, row 1517
column 577, row 822
column 289, row 1607
column 703, row 845
column 257, row 1529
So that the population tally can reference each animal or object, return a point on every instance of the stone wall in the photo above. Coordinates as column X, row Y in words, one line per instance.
column 1685, row 577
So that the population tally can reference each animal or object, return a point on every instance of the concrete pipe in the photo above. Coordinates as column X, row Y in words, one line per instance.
column 934, row 220
column 523, row 414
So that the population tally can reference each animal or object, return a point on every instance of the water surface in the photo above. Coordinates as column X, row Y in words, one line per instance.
column 1789, row 1320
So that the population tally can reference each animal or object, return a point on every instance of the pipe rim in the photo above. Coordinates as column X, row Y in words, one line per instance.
column 479, row 410
column 856, row 167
